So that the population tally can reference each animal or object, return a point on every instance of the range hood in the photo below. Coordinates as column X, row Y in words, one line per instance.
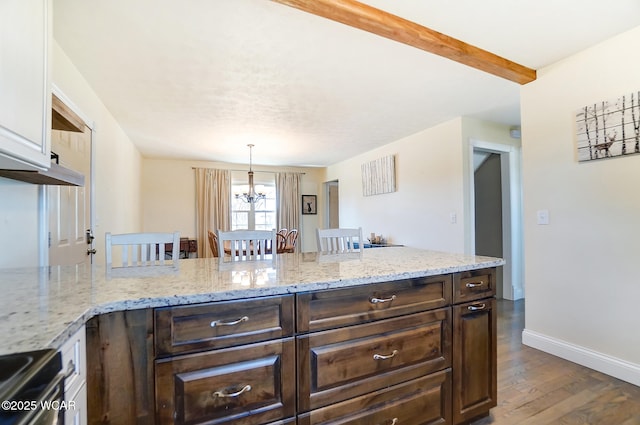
column 55, row 175
column 62, row 118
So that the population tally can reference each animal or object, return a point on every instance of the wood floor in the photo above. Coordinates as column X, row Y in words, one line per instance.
column 535, row 388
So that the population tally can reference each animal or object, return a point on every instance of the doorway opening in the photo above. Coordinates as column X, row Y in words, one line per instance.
column 67, row 211
column 495, row 212
column 488, row 208
column 332, row 213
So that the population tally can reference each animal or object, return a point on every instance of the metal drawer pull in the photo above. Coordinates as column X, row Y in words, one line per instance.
column 383, row 357
column 382, row 300
column 394, row 421
column 221, row 394
column 71, row 369
column 477, row 307
column 235, row 322
column 474, row 284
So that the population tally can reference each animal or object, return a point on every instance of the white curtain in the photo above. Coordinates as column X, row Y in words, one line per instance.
column 213, row 209
column 288, row 201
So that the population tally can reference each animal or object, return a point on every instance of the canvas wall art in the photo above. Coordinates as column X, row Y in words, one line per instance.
column 610, row 128
column 379, row 176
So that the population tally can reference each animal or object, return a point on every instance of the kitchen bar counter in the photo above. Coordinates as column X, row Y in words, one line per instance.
column 41, row 307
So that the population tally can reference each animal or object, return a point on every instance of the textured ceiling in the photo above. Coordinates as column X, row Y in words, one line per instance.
column 199, row 79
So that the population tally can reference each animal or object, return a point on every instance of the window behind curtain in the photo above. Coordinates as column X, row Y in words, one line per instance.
column 258, row 216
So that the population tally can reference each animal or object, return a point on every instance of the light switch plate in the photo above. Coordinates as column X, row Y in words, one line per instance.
column 543, row 216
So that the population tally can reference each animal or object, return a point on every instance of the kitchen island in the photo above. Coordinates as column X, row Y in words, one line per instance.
column 43, row 307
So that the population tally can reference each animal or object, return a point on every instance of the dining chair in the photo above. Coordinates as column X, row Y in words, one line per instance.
column 292, row 239
column 287, row 243
column 281, row 244
column 243, row 245
column 336, row 241
column 213, row 243
column 142, row 249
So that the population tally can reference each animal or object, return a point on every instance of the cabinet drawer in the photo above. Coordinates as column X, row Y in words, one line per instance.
column 253, row 384
column 342, row 363
column 341, row 307
column 422, row 401
column 198, row 327
column 74, row 361
column 474, row 285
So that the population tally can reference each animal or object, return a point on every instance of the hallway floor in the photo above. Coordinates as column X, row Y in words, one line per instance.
column 536, row 388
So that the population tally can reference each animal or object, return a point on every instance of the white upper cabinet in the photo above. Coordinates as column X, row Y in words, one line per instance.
column 25, row 95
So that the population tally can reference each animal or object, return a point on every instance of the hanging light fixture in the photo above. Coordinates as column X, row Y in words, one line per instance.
column 252, row 196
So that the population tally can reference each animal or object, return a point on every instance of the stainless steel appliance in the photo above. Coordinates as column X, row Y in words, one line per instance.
column 32, row 388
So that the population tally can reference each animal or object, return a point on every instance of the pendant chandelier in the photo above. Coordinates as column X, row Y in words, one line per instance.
column 252, row 196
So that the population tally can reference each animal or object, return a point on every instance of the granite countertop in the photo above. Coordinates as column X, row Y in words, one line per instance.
column 42, row 307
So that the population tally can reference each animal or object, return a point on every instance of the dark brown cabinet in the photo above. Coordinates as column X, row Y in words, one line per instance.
column 249, row 384
column 474, row 285
column 416, row 351
column 120, row 368
column 198, row 327
column 376, row 353
column 421, row 401
column 474, row 345
column 226, row 362
column 343, row 363
column 334, row 308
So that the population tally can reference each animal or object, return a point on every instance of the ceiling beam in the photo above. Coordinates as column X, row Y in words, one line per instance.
column 384, row 24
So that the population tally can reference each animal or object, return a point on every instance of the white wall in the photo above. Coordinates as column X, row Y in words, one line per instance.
column 429, row 183
column 169, row 195
column 18, row 224
column 580, row 274
column 117, row 178
column 118, row 162
column 432, row 182
column 117, row 171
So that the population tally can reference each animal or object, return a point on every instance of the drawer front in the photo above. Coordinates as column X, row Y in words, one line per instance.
column 342, row 363
column 215, row 325
column 342, row 307
column 474, row 285
column 252, row 384
column 74, row 361
column 422, row 401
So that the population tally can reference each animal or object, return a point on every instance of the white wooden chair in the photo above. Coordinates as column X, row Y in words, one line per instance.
column 337, row 241
column 243, row 245
column 141, row 249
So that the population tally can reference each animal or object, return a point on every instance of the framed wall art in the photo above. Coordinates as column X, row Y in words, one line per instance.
column 309, row 204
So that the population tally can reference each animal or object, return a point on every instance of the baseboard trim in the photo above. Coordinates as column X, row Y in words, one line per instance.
column 621, row 369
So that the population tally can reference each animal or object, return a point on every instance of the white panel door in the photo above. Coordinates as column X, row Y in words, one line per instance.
column 70, row 206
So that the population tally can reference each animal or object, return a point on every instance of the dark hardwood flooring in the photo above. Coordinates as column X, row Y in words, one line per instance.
column 536, row 388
